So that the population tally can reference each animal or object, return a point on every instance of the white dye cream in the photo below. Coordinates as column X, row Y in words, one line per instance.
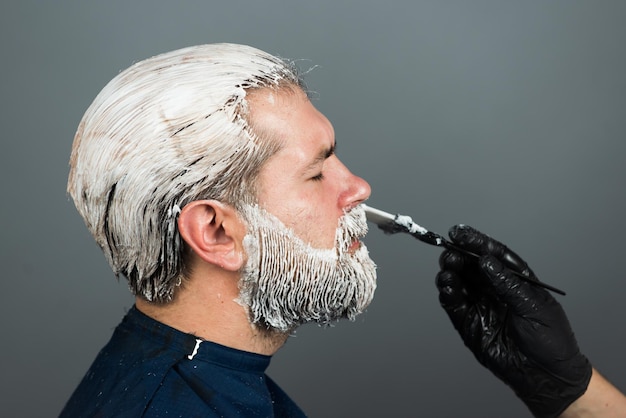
column 411, row 227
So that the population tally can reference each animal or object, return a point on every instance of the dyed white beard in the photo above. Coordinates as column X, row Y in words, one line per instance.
column 286, row 282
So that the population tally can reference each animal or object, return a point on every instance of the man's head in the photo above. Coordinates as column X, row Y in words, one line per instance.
column 223, row 123
column 165, row 132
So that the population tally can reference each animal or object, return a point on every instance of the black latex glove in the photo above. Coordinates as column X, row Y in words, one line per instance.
column 515, row 329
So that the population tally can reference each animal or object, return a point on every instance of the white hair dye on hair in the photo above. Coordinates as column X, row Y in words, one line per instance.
column 164, row 132
column 286, row 282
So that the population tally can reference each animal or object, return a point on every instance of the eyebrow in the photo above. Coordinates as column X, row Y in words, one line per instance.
column 323, row 155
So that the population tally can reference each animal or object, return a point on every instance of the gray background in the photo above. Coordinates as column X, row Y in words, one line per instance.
column 509, row 116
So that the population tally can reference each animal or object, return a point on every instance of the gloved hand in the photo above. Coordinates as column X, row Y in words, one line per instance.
column 515, row 329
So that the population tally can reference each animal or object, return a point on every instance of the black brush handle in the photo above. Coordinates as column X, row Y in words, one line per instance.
column 509, row 259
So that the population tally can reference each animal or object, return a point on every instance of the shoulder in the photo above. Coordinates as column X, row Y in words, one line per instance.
column 125, row 375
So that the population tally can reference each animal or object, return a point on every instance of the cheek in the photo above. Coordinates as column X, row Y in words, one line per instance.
column 311, row 211
column 310, row 222
column 318, row 228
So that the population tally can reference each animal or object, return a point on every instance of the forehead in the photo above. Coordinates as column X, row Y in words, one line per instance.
column 288, row 116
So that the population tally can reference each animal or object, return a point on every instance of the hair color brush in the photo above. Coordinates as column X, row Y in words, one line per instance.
column 392, row 224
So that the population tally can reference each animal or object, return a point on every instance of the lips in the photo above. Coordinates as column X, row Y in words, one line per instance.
column 356, row 244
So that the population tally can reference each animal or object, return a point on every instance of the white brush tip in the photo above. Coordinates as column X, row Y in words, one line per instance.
column 377, row 216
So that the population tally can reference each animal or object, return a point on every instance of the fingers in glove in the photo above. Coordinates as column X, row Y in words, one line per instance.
column 468, row 271
column 521, row 296
column 452, row 260
column 475, row 241
column 452, row 296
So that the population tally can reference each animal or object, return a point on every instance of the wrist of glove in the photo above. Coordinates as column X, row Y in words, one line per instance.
column 515, row 329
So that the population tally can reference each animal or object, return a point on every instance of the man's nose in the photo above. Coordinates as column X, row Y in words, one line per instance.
column 357, row 190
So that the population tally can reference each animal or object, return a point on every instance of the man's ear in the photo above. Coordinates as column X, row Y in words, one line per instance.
column 214, row 232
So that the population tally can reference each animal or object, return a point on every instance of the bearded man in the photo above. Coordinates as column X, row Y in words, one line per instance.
column 210, row 182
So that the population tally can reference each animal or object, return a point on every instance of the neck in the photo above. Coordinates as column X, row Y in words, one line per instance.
column 212, row 313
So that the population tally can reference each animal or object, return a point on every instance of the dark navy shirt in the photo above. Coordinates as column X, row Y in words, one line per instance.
column 149, row 369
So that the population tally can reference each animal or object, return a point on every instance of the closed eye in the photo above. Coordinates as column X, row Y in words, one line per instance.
column 318, row 177
column 318, row 161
